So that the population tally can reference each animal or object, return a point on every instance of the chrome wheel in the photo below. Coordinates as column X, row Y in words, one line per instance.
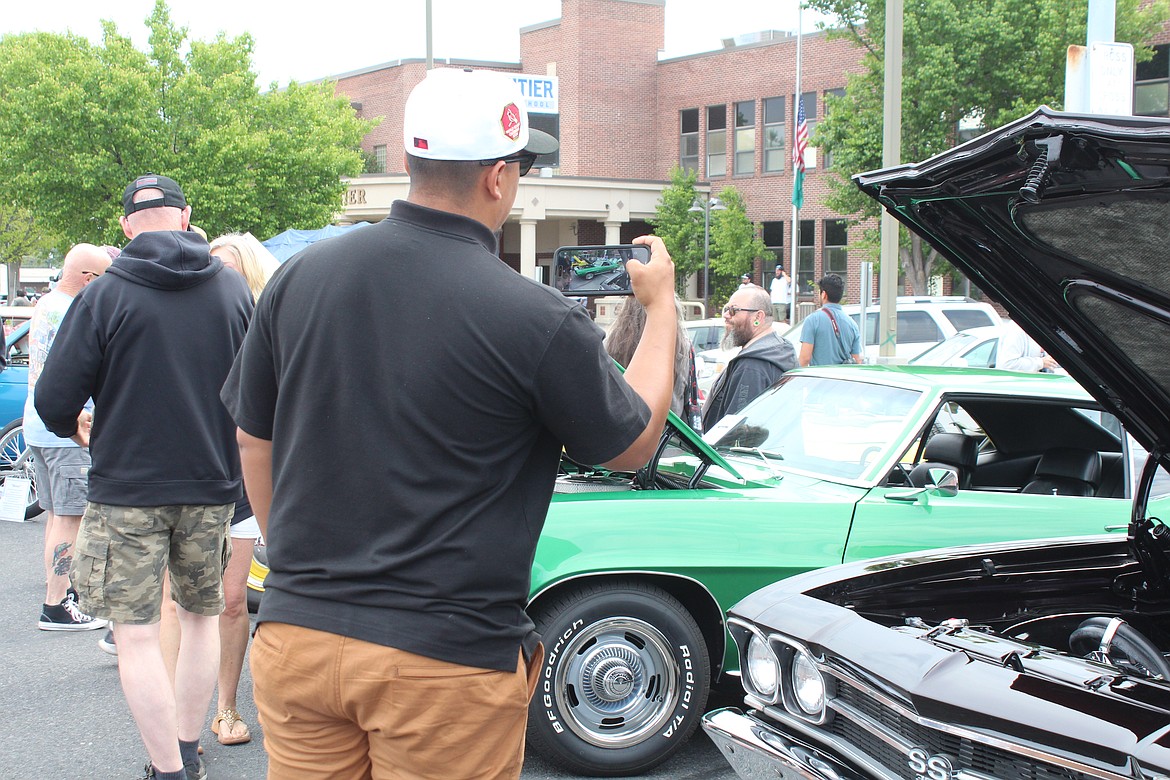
column 624, row 679
column 16, row 461
column 620, row 684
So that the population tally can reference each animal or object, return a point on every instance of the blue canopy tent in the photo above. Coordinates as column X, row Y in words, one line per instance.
column 285, row 245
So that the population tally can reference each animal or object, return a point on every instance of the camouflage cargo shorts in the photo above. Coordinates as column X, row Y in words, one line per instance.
column 122, row 551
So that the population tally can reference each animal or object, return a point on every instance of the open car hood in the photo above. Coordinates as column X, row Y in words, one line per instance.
column 1063, row 219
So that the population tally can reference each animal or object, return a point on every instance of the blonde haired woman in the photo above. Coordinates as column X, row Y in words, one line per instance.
column 243, row 253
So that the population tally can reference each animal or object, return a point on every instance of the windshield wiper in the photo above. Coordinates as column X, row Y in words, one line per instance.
column 762, row 455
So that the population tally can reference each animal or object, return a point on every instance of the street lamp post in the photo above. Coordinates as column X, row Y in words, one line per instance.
column 707, row 206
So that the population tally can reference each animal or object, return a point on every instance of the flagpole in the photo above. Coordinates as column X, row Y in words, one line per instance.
column 795, row 172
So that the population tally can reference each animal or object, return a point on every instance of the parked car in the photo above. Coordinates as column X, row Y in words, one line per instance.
column 14, row 378
column 14, row 453
column 1030, row 659
column 971, row 348
column 634, row 571
column 923, row 321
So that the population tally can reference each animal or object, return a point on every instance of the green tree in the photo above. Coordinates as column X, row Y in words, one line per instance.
column 986, row 61
column 735, row 245
column 20, row 238
column 78, row 121
column 678, row 227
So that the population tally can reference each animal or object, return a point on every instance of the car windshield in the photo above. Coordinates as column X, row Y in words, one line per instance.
column 819, row 424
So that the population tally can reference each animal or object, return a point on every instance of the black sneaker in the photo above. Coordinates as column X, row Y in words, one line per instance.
column 67, row 617
column 106, row 643
column 194, row 771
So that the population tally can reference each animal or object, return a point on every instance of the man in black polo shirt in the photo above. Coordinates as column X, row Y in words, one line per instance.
column 402, row 490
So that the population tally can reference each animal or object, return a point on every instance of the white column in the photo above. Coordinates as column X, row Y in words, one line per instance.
column 528, row 248
column 613, row 232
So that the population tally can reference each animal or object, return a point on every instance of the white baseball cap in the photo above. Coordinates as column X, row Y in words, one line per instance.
column 456, row 114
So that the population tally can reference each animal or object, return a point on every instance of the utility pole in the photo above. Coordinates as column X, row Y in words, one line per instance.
column 891, row 155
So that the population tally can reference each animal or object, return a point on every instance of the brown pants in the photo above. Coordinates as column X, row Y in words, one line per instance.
column 339, row 709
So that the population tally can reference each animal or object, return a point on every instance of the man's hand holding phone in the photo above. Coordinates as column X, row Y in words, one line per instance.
column 652, row 282
column 651, row 369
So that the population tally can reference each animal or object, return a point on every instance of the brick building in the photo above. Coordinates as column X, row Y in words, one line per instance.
column 625, row 118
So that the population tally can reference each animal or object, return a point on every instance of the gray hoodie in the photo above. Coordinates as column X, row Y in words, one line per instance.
column 751, row 372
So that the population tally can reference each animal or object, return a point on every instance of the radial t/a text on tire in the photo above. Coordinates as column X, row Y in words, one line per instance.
column 624, row 680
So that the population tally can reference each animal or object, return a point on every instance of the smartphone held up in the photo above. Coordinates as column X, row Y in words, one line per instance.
column 596, row 270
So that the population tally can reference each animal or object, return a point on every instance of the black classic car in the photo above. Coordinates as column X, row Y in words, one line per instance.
column 1022, row 661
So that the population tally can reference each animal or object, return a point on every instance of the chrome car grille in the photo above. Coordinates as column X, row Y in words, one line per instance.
column 967, row 756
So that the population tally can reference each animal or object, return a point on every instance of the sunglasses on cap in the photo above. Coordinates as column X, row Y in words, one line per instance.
column 526, row 160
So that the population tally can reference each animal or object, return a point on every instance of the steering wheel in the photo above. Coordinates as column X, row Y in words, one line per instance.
column 905, row 472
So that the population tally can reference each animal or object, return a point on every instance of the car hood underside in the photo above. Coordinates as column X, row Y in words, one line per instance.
column 1062, row 219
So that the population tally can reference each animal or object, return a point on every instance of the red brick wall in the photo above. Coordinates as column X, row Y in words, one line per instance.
column 619, row 106
column 754, row 73
column 382, row 93
column 1164, row 36
column 606, row 55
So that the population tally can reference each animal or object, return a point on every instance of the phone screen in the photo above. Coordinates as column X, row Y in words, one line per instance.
column 596, row 270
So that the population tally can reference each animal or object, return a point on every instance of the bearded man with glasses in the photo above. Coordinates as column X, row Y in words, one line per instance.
column 763, row 359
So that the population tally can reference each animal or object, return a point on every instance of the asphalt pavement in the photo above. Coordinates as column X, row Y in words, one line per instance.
column 64, row 714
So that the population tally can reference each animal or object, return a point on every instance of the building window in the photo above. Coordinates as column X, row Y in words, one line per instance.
column 830, row 96
column 774, row 158
column 806, row 259
column 1151, row 90
column 745, row 138
column 716, row 141
column 551, row 124
column 836, row 258
column 809, row 101
column 688, row 140
column 773, row 235
column 380, row 158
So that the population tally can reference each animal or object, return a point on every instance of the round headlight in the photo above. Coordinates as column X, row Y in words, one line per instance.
column 762, row 668
column 808, row 686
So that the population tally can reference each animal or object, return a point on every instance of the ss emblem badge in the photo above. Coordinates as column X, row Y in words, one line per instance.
column 928, row 767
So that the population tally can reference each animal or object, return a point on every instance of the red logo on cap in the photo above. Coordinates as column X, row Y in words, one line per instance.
column 510, row 121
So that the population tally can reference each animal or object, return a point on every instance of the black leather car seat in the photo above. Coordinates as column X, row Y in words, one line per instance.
column 949, row 451
column 1066, row 471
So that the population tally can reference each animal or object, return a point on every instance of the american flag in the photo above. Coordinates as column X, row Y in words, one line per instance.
column 801, row 137
column 798, row 155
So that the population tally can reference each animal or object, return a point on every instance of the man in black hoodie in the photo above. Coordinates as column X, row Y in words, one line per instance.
column 764, row 357
column 152, row 342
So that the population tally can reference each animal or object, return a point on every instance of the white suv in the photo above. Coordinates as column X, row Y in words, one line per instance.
column 922, row 322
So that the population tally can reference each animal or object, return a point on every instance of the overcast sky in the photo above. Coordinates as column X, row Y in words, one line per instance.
column 295, row 44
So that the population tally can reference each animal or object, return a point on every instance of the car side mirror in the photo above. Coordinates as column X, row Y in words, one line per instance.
column 944, row 483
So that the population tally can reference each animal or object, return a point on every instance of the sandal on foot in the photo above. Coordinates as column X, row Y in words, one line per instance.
column 224, row 723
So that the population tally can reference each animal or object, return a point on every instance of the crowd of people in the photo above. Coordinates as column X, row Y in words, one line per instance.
column 137, row 465
column 187, row 400
column 183, row 416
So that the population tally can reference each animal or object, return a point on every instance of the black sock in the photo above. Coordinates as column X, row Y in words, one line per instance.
column 189, row 751
column 160, row 775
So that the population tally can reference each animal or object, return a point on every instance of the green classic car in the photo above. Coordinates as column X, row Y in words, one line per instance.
column 634, row 571
column 599, row 267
